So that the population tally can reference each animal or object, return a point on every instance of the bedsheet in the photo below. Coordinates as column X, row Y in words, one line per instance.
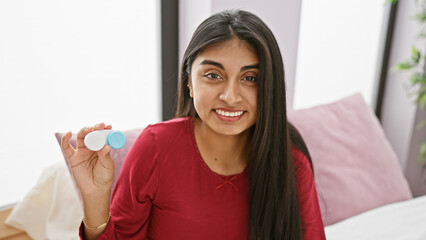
column 404, row 220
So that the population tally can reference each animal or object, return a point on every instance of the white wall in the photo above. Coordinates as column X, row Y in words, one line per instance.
column 338, row 48
column 65, row 65
column 191, row 14
column 415, row 172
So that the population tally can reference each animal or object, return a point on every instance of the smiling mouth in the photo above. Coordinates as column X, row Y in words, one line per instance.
column 229, row 114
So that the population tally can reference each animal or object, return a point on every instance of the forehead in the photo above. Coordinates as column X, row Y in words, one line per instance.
column 233, row 50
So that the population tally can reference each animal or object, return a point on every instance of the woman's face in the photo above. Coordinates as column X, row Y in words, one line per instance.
column 224, row 86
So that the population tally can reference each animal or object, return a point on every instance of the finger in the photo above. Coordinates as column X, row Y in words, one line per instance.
column 66, row 146
column 105, row 157
column 99, row 126
column 104, row 151
column 81, row 134
column 102, row 126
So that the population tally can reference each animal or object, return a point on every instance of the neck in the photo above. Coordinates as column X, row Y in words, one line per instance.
column 224, row 154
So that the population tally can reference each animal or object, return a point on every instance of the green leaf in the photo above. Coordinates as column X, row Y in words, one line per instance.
column 423, row 79
column 421, row 16
column 415, row 56
column 391, row 1
column 421, row 99
column 418, row 78
column 420, row 125
column 422, row 152
column 414, row 79
column 422, row 103
column 404, row 66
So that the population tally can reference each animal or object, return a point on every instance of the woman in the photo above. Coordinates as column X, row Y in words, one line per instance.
column 230, row 166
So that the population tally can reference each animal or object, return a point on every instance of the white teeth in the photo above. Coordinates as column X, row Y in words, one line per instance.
column 229, row 114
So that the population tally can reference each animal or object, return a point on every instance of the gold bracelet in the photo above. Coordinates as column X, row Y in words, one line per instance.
column 98, row 227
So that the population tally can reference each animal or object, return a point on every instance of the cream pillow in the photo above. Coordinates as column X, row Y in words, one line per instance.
column 51, row 209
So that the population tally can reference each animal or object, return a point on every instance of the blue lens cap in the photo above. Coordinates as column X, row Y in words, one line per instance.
column 116, row 139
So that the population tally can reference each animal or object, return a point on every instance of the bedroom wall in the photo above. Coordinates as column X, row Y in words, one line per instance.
column 399, row 114
column 416, row 174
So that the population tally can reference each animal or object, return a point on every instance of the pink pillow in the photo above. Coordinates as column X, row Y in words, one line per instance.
column 355, row 166
column 117, row 155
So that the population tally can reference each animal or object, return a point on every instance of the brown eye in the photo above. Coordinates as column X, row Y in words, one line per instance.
column 250, row 79
column 212, row 76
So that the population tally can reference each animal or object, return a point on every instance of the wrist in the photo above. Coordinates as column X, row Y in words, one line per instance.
column 95, row 191
column 97, row 200
column 98, row 227
column 96, row 208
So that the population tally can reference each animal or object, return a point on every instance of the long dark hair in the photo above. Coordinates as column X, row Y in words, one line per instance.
column 273, row 208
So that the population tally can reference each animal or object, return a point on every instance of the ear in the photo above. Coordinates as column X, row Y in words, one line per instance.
column 190, row 87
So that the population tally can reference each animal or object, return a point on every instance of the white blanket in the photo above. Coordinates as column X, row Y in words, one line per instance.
column 51, row 209
column 398, row 221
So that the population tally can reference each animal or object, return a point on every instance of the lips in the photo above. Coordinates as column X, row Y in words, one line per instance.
column 228, row 115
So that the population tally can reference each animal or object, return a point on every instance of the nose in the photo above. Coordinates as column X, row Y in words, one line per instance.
column 231, row 93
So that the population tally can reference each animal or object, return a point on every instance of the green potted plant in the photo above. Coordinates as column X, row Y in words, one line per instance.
column 416, row 65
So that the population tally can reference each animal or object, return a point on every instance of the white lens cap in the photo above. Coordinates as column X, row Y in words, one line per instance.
column 95, row 141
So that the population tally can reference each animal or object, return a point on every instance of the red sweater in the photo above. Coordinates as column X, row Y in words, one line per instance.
column 166, row 191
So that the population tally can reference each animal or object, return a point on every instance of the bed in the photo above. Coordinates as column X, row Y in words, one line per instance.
column 404, row 220
column 361, row 188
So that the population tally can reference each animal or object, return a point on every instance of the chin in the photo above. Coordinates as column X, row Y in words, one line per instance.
column 231, row 130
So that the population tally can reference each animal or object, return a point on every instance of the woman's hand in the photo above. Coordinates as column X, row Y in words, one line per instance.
column 93, row 171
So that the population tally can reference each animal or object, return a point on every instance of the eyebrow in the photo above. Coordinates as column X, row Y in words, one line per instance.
column 216, row 64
